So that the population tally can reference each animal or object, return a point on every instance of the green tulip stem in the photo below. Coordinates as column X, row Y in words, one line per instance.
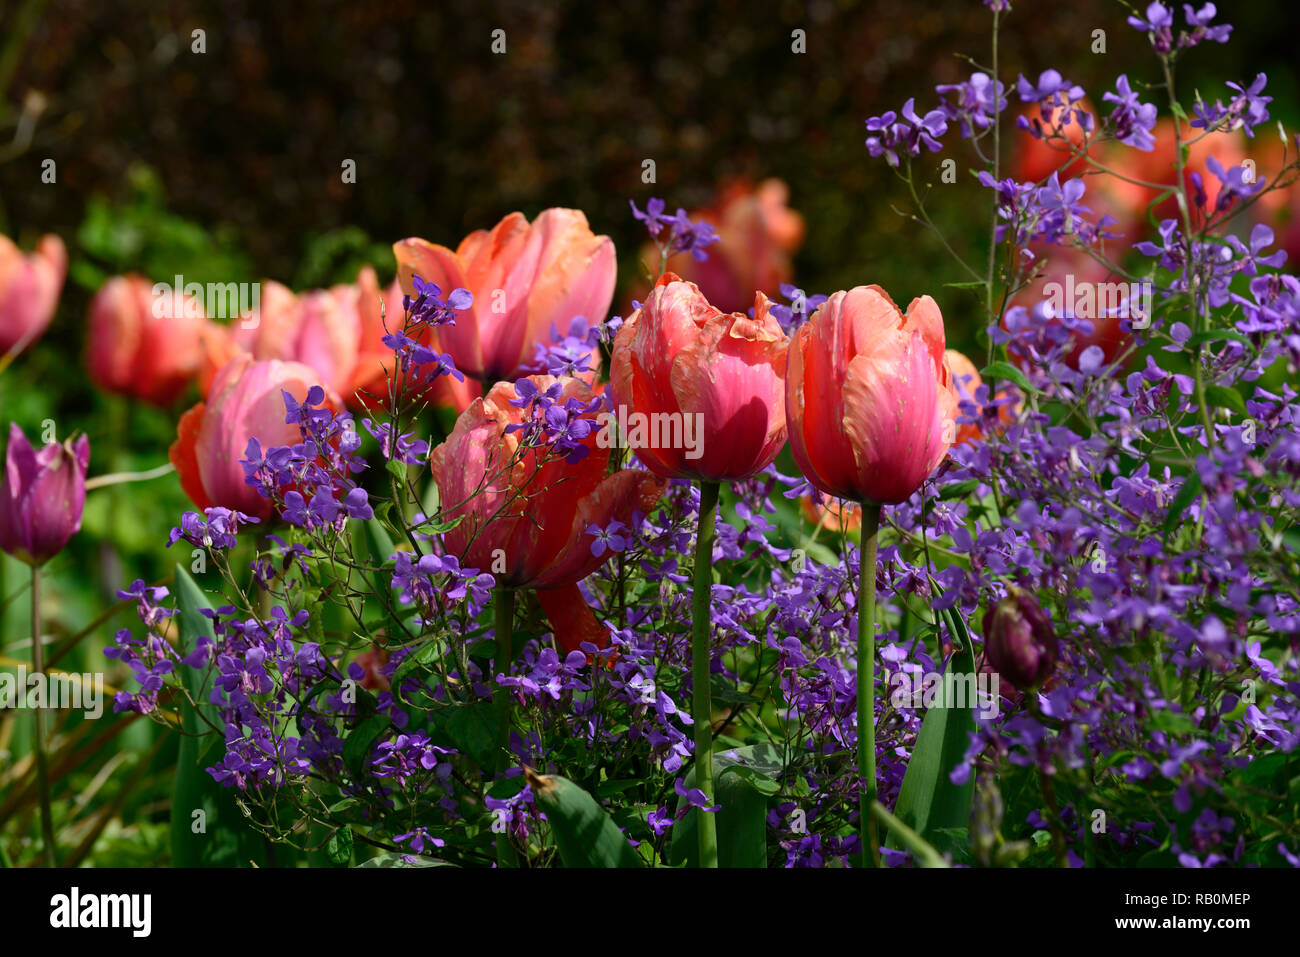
column 38, row 714
column 867, row 683
column 701, row 700
column 504, row 609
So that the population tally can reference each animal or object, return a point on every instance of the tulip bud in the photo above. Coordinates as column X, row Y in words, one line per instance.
column 1019, row 640
column 41, row 496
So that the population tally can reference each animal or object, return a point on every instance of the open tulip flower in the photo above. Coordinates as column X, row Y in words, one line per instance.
column 41, row 496
column 718, row 377
column 29, row 290
column 871, row 403
column 525, row 511
column 872, row 410
column 245, row 402
column 526, row 279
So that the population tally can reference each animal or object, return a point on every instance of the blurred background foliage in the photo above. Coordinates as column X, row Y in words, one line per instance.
column 226, row 166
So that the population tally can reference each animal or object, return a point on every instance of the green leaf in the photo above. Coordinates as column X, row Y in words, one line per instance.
column 928, row 801
column 1005, row 370
column 966, row 285
column 397, row 469
column 584, row 833
column 389, row 859
column 1221, row 397
column 744, row 778
column 339, row 847
column 1211, row 335
column 958, row 489
column 358, row 744
column 377, row 541
column 1191, row 488
column 472, row 729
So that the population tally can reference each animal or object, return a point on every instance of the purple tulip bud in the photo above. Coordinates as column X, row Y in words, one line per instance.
column 1019, row 641
column 41, row 496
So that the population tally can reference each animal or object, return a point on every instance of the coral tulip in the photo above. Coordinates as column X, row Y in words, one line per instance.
column 525, row 278
column 870, row 401
column 525, row 516
column 41, row 496
column 244, row 402
column 717, row 379
column 29, row 290
column 143, row 345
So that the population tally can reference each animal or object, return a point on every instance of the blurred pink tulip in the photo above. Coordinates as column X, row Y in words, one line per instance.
column 870, row 400
column 244, row 402
column 718, row 379
column 757, row 235
column 143, row 345
column 41, row 496
column 29, row 290
column 526, row 278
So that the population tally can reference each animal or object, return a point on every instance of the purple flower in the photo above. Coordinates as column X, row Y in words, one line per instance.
column 897, row 136
column 1132, row 121
column 974, row 104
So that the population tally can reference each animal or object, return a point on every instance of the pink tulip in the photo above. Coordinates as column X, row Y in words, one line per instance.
column 526, row 516
column 320, row 328
column 29, row 290
column 525, row 279
column 244, row 402
column 142, row 345
column 719, row 378
column 41, row 496
column 870, row 400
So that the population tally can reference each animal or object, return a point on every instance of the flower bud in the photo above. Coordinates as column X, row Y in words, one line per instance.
column 41, row 496
column 1019, row 641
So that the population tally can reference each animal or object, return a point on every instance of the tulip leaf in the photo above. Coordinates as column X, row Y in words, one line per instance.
column 1005, row 370
column 389, row 859
column 744, row 778
column 584, row 833
column 928, row 801
column 219, row 836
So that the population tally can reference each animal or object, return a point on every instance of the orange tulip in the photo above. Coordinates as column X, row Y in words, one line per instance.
column 869, row 398
column 244, row 403
column 525, row 278
column 143, row 345
column 717, row 380
column 525, row 515
column 29, row 290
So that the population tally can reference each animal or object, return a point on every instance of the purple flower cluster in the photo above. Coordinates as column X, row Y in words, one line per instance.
column 683, row 235
column 562, row 428
column 311, row 481
column 894, row 135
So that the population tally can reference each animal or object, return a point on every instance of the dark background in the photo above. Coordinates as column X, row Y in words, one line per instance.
column 246, row 140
